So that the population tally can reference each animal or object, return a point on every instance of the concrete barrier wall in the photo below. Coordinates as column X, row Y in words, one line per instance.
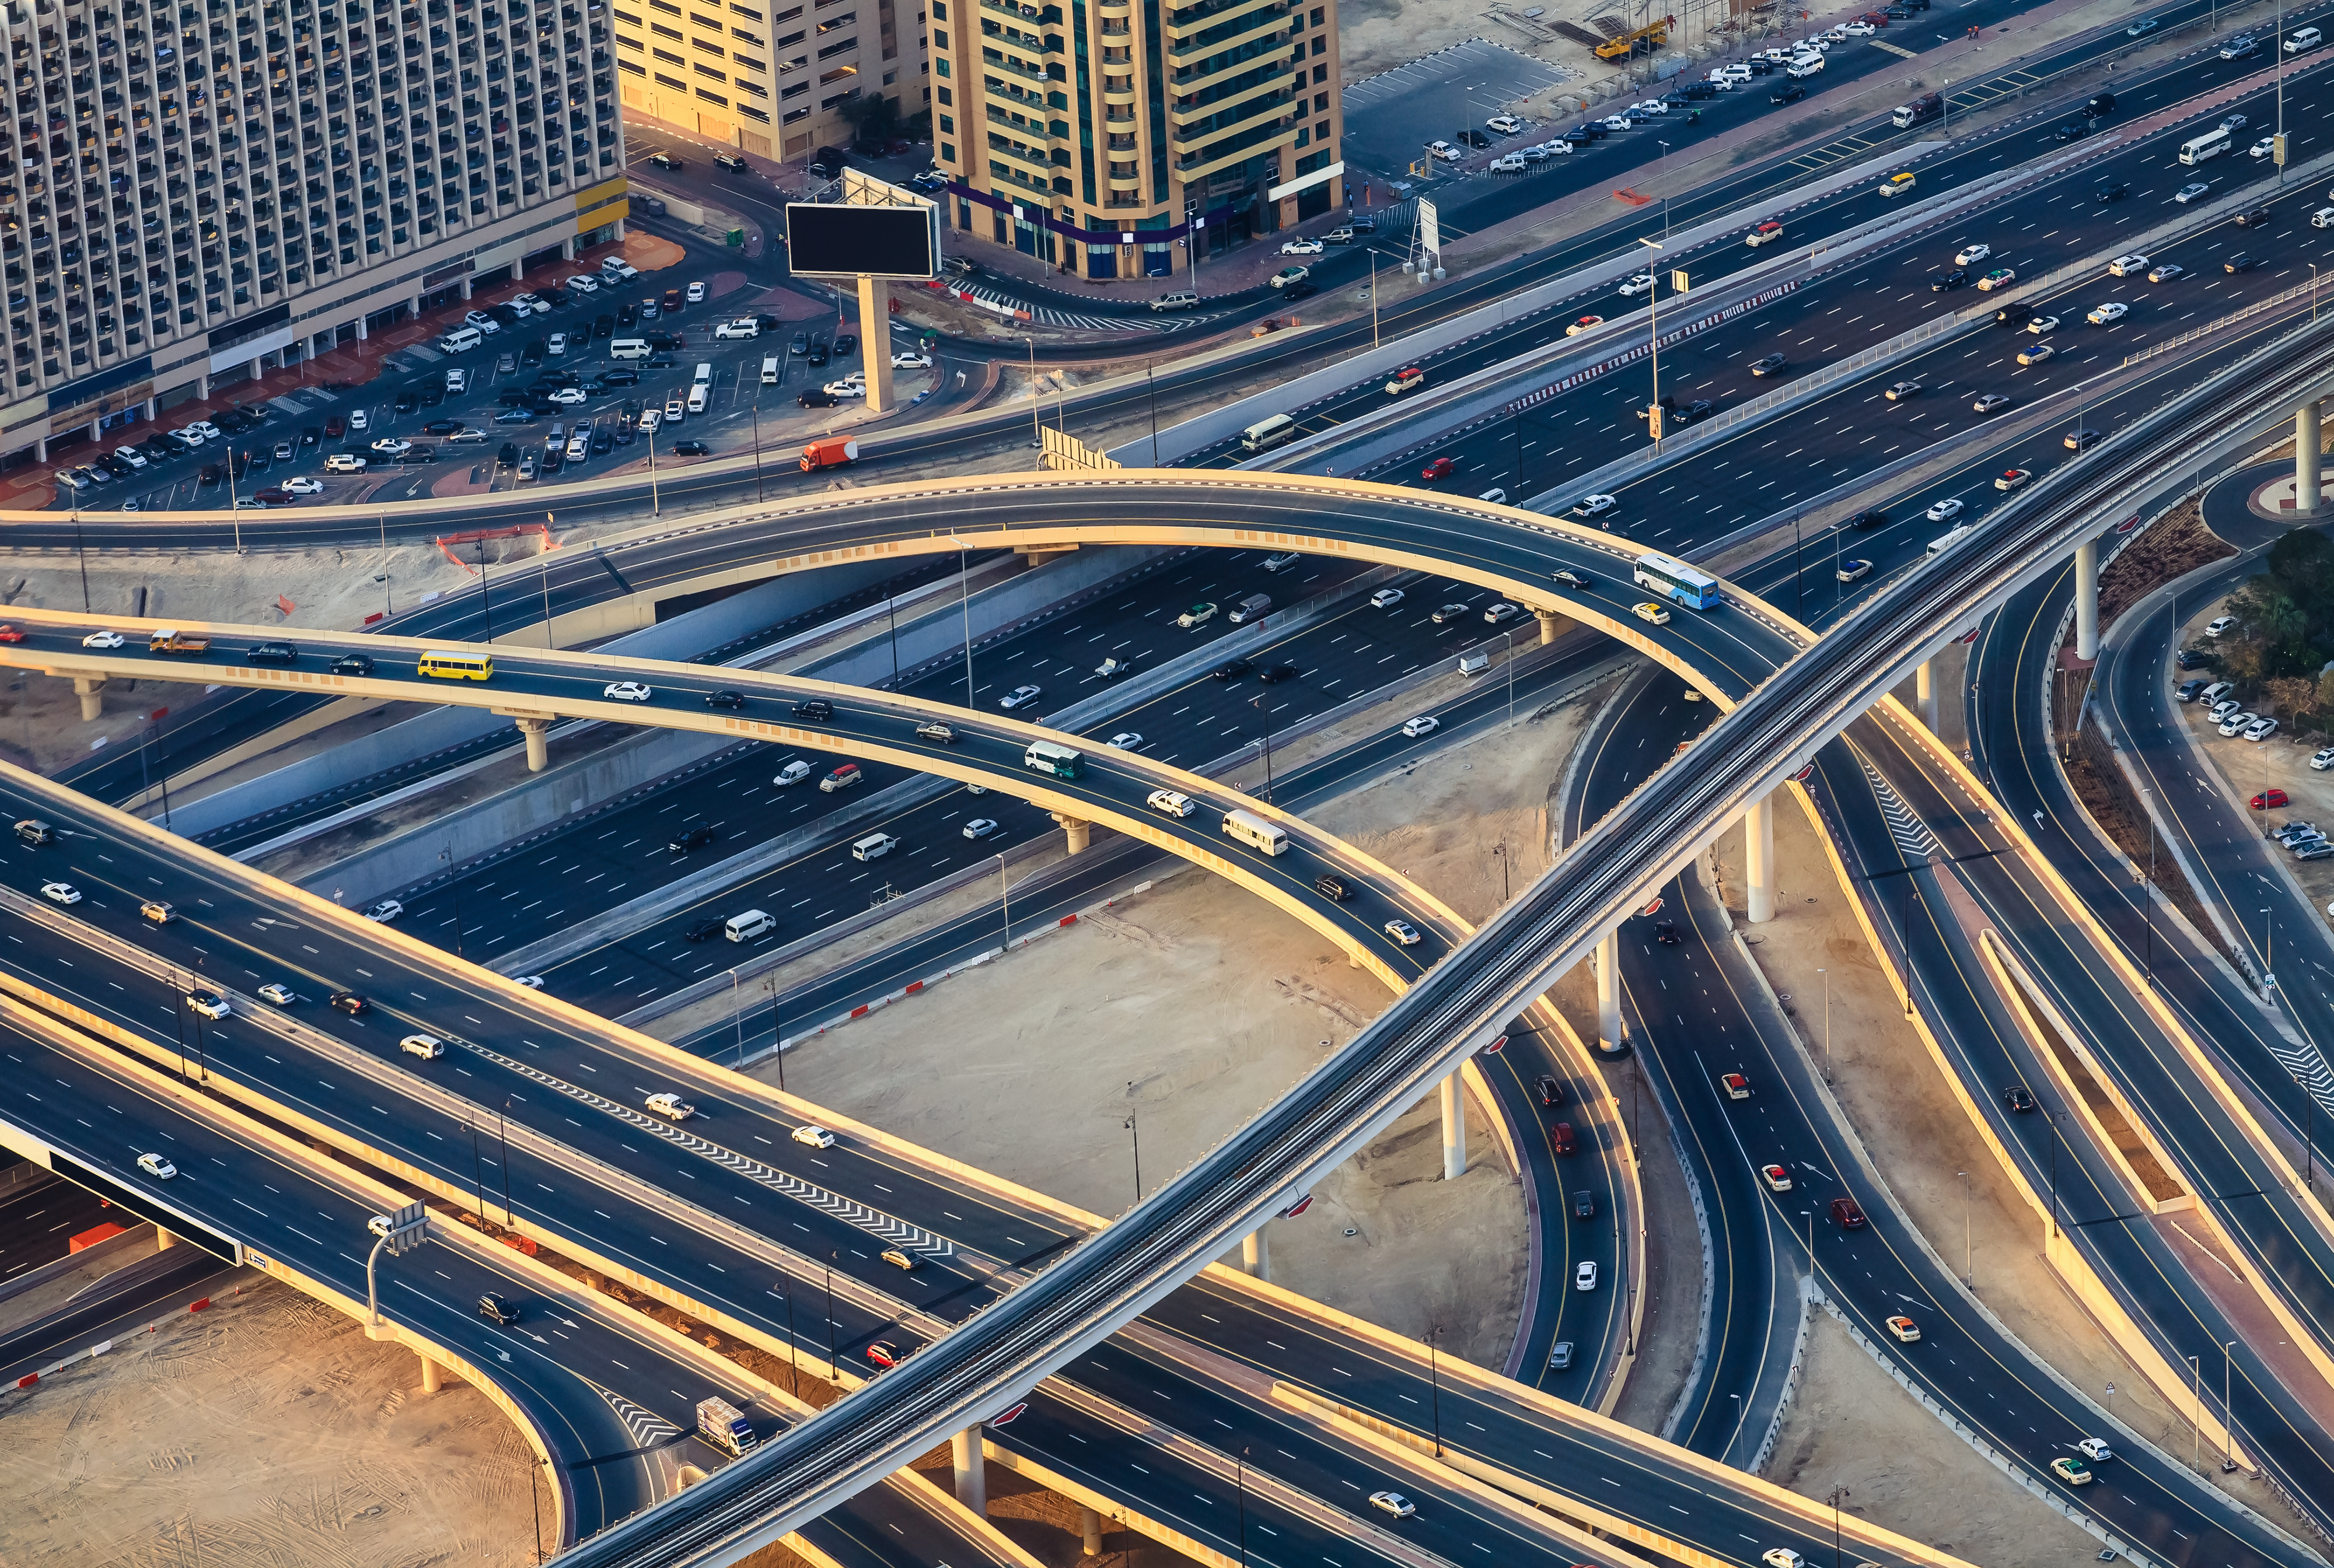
column 566, row 793
column 682, row 637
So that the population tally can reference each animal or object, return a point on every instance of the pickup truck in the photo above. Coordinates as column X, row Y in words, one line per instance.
column 167, row 640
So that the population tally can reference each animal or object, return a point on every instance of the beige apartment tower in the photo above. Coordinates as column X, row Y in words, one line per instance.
column 770, row 77
column 1093, row 134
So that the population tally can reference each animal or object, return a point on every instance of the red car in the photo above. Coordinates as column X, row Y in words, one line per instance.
column 884, row 1353
column 10, row 634
column 1438, row 469
column 2267, row 801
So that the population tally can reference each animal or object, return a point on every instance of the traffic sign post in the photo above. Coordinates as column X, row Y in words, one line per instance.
column 400, row 1233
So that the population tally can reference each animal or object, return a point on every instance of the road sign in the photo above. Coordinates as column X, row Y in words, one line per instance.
column 1679, row 282
column 1429, row 227
column 2277, row 150
column 1804, row 775
column 1656, row 414
column 407, row 1228
column 1495, row 1047
column 1653, row 909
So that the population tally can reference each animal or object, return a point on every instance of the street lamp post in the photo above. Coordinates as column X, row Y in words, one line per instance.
column 1434, row 1379
column 964, row 585
column 1838, row 1494
column 1654, row 317
column 2228, row 1417
column 1135, row 1138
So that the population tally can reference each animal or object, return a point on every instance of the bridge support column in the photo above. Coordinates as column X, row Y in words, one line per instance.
column 432, row 1378
column 1454, row 1129
column 1609, row 1036
column 2305, row 459
column 86, row 688
column 875, row 342
column 1078, row 833
column 538, row 745
column 1551, row 624
column 971, row 1470
column 1758, row 859
column 1090, row 1526
column 2087, row 599
column 1925, row 694
column 163, row 1238
column 1255, row 1254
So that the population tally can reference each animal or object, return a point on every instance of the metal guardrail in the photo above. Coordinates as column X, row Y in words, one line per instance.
column 2231, row 319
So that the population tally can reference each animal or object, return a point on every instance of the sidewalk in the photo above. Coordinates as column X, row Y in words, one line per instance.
column 315, row 384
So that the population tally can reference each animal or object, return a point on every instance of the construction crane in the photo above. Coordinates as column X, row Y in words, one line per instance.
column 1644, row 41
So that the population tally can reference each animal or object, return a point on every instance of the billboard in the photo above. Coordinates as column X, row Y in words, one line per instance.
column 886, row 242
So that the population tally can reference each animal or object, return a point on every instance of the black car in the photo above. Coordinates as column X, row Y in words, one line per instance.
column 1475, row 138
column 603, row 326
column 818, row 352
column 496, row 1310
column 1299, row 290
column 2253, row 219
column 508, row 456
column 818, row 397
column 1773, row 364
column 725, row 701
column 2070, row 129
column 1791, row 94
column 271, row 653
column 694, row 838
column 845, row 344
column 533, row 353
column 768, row 323
column 1330, row 888
column 352, row 664
column 210, row 474
column 619, row 377
column 1272, row 674
column 420, row 453
column 349, row 1002
column 432, row 395
column 800, row 344
column 2194, row 658
column 2239, row 263
column 1583, row 1205
column 555, row 296
column 2080, row 440
column 1700, row 409
column 407, row 401
column 2107, row 193
column 2016, row 1098
column 691, row 449
column 1868, row 520
column 603, row 441
column 1231, row 667
column 816, row 709
column 1551, row 1089
column 1665, row 932
column 1952, row 280
column 441, row 426
column 628, row 316
column 521, row 416
column 1585, row 133
column 704, row 931
column 518, row 399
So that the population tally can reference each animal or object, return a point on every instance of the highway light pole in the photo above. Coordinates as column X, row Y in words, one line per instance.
column 833, row 1369
column 1264, row 742
column 1434, row 1378
column 1005, row 896
column 1969, row 1266
column 1837, row 1493
column 964, row 583
column 2269, row 954
column 1134, row 1136
column 1240, row 1470
column 1654, row 345
column 2196, row 1415
column 1826, row 994
column 2228, row 1417
column 502, row 1126
column 2308, row 1177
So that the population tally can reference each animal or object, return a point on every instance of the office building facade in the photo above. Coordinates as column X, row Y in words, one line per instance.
column 194, row 191
column 1096, row 134
column 770, row 77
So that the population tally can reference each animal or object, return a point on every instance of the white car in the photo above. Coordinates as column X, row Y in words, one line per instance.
column 1970, row 256
column 391, row 446
column 2212, row 628
column 210, row 1005
column 1126, row 740
column 627, row 691
column 650, row 418
column 1643, row 284
column 1594, row 506
column 1584, row 1278
column 794, row 772
column 2125, row 267
column 383, row 913
column 281, row 995
column 2260, row 730
column 205, row 430
column 1386, row 599
column 2113, row 311
column 191, row 436
column 429, row 1047
column 1945, row 510
column 1445, row 151
column 853, row 385
column 744, row 327
column 1651, row 106
column 2095, row 1450
column 486, row 324
column 1782, row 1557
column 104, row 639
column 1858, row 29
column 671, row 1107
column 697, row 293
column 1403, row 931
column 1424, row 724
column 911, row 361
column 2238, row 721
column 2321, row 759
column 817, row 1137
column 557, row 348
column 2042, row 324
column 359, row 421
column 1651, row 612
column 588, row 286
column 155, row 1166
column 1777, row 1177
column 1171, row 803
column 303, row 486
column 344, row 463
column 60, row 892
column 1302, row 247
column 2264, row 147
column 1503, row 124
column 1393, row 1503
column 979, row 827
column 1020, row 696
column 131, row 455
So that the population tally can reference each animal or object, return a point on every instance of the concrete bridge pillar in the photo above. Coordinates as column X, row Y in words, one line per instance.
column 1925, row 694
column 163, row 1238
column 1090, row 1526
column 971, row 1470
column 875, row 342
column 1759, row 858
column 538, row 745
column 1610, row 1039
column 2305, row 459
column 1255, row 1254
column 1079, row 833
column 1551, row 624
column 2087, row 585
column 1454, row 1129
column 86, row 688
column 432, row 1376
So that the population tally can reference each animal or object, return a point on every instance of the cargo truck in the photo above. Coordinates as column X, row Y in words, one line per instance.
column 167, row 640
column 831, row 453
column 719, row 1423
column 1920, row 110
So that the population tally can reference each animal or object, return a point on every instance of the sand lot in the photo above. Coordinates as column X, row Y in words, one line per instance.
column 265, row 1430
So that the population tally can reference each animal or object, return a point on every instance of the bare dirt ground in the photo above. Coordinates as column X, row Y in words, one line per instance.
column 265, row 1430
column 1900, row 1106
column 1851, row 1427
column 1192, row 1006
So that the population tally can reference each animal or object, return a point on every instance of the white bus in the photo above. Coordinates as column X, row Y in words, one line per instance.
column 1255, row 831
column 1674, row 579
column 2212, row 144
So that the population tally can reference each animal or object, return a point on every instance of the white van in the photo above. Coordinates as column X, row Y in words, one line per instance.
column 630, row 349
column 704, row 377
column 1950, row 537
column 2306, row 39
column 873, row 847
column 1266, row 434
column 460, row 340
column 745, row 928
column 770, row 364
column 2322, row 218
column 698, row 396
column 1806, row 65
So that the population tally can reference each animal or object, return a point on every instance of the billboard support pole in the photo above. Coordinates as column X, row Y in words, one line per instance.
column 875, row 342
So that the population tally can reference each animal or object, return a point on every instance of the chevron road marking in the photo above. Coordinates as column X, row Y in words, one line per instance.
column 1912, row 834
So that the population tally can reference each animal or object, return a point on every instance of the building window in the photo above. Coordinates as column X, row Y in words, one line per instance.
column 712, row 97
column 797, row 91
column 749, row 62
column 890, row 77
column 792, row 115
column 702, row 47
column 1320, row 46
column 662, row 31
column 755, row 88
column 673, row 81
column 948, row 125
column 838, row 98
column 635, row 69
column 752, row 112
column 625, row 42
column 834, row 24
column 707, row 71
column 704, row 21
column 948, row 153
column 747, row 12
column 839, row 73
column 668, row 56
column 1320, row 74
column 845, row 47
column 1320, row 103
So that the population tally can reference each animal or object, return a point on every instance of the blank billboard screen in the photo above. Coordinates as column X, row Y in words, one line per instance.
column 894, row 242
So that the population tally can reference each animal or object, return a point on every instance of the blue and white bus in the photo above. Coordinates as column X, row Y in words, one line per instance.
column 1674, row 579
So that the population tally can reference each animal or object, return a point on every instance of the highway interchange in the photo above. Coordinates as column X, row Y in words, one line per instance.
column 1732, row 661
